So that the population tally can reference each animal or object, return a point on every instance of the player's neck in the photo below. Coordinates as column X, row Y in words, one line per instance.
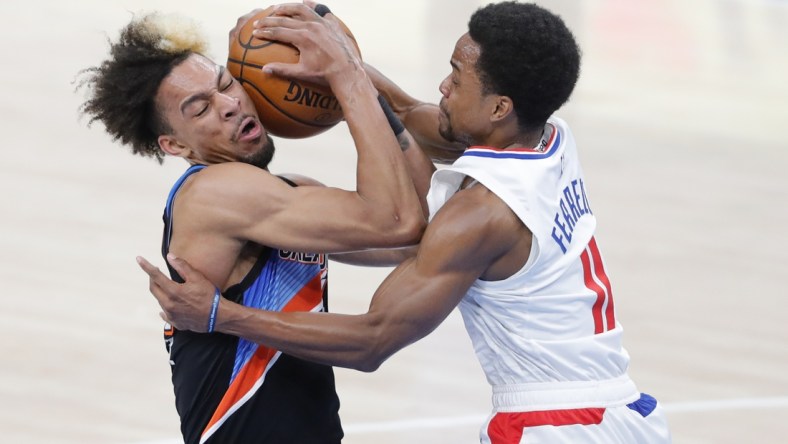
column 516, row 139
column 529, row 139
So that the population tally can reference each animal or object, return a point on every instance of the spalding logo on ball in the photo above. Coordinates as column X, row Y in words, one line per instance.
column 286, row 107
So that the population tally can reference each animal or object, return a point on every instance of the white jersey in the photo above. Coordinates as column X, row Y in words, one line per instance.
column 551, row 326
column 547, row 337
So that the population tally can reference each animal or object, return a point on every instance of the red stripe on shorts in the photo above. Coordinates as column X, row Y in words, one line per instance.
column 507, row 428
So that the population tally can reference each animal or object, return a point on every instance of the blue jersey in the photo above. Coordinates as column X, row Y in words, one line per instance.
column 230, row 390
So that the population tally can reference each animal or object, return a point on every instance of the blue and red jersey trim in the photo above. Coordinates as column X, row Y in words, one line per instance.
column 518, row 153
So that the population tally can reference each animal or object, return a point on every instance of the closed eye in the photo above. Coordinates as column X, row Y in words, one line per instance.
column 227, row 85
column 202, row 111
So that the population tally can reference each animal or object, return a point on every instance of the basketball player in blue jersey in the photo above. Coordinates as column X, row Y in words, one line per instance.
column 261, row 239
column 511, row 242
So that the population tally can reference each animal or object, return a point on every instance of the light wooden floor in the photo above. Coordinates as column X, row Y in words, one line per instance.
column 681, row 116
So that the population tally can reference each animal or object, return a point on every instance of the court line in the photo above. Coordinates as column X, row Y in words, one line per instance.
column 438, row 423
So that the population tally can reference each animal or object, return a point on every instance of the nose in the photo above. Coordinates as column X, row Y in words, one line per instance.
column 444, row 87
column 228, row 106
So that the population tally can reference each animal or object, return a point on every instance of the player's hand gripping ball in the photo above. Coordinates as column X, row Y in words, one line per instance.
column 288, row 108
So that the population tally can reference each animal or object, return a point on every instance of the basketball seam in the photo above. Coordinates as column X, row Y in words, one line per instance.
column 246, row 46
column 243, row 64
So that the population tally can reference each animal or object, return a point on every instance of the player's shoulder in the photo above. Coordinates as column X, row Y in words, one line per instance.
column 232, row 169
column 230, row 173
column 473, row 225
column 475, row 195
column 476, row 209
column 242, row 172
column 217, row 183
column 301, row 180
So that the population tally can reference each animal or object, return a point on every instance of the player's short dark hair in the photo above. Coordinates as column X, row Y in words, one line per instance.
column 527, row 54
column 122, row 90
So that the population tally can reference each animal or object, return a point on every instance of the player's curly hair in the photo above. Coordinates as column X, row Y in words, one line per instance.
column 122, row 90
column 527, row 54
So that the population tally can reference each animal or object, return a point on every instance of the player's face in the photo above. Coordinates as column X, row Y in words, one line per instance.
column 211, row 117
column 465, row 109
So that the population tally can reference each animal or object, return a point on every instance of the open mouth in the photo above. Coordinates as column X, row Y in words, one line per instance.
column 250, row 129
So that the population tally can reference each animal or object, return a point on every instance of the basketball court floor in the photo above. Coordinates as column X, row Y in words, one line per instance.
column 681, row 118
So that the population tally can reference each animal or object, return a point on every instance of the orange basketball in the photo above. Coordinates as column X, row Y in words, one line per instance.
column 286, row 107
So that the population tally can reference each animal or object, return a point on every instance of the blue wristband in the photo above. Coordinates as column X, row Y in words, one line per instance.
column 214, row 310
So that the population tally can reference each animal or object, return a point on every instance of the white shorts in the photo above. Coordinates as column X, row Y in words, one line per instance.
column 639, row 422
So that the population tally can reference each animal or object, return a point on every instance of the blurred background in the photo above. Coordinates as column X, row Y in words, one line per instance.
column 681, row 119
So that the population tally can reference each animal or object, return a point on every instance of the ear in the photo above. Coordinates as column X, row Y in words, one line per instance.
column 502, row 108
column 170, row 145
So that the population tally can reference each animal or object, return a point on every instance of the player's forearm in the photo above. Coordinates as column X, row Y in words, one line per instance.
column 327, row 338
column 383, row 181
column 390, row 257
column 420, row 167
column 400, row 101
column 420, row 118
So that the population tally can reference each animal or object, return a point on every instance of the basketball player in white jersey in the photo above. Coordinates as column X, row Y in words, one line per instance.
column 511, row 242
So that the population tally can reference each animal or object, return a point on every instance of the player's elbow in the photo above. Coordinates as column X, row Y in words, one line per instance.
column 368, row 365
column 371, row 360
column 378, row 345
column 405, row 229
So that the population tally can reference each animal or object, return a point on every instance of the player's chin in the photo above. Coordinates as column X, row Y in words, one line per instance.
column 443, row 123
column 445, row 130
column 261, row 157
column 253, row 147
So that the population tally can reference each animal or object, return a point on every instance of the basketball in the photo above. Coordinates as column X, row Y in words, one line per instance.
column 287, row 108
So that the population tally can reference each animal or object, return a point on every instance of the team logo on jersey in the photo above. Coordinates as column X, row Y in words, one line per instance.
column 304, row 258
column 542, row 145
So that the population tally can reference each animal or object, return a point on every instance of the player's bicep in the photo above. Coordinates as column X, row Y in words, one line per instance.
column 238, row 201
column 411, row 303
column 422, row 291
column 264, row 209
column 315, row 219
column 290, row 212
